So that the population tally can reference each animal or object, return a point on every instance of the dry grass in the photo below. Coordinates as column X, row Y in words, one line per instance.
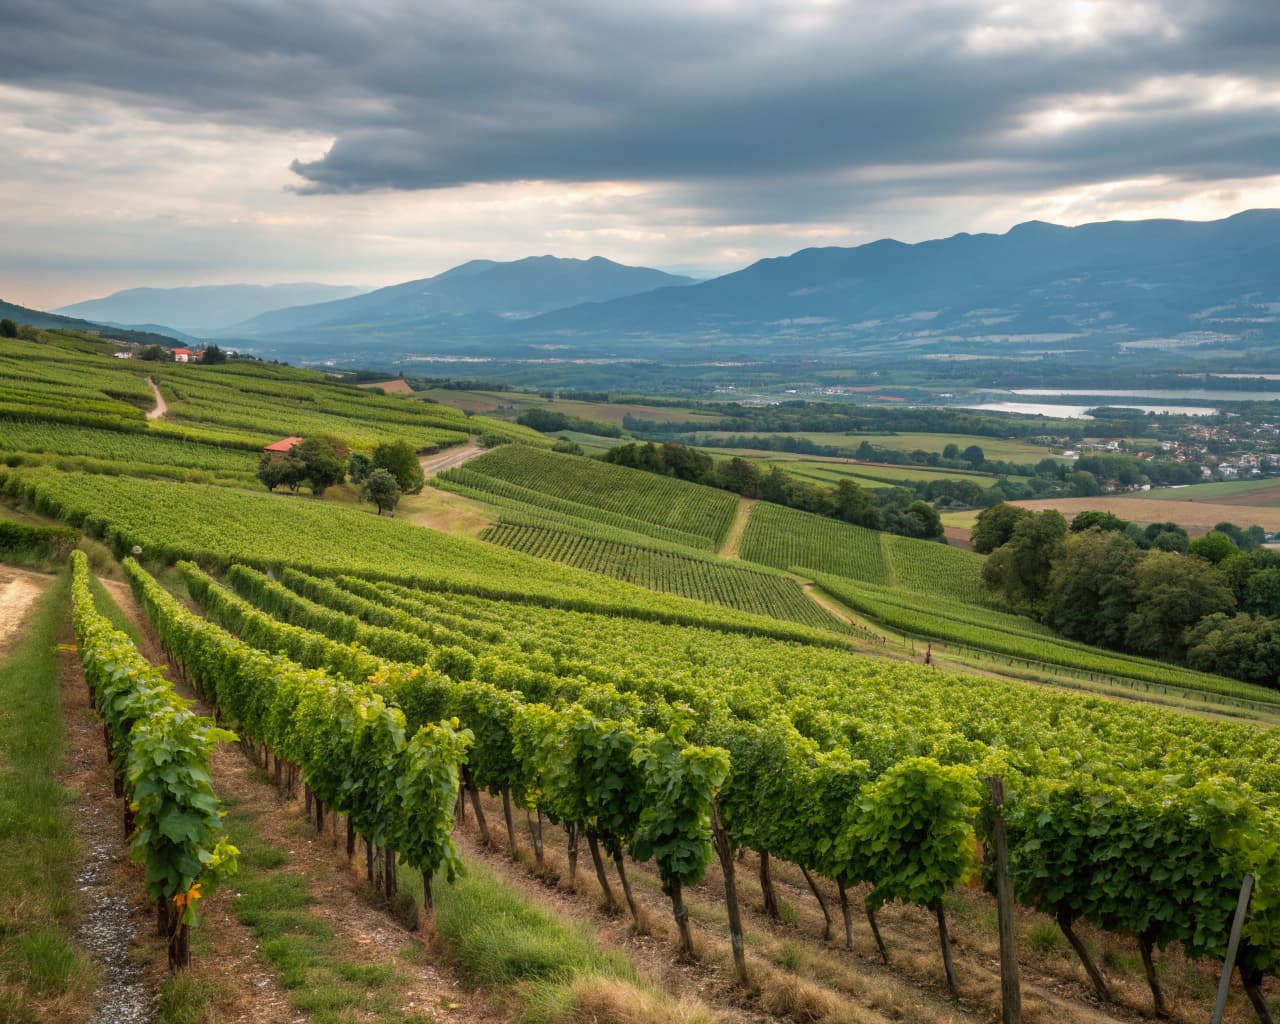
column 446, row 511
column 1195, row 516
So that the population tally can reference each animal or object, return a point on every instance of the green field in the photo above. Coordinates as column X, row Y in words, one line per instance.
column 509, row 404
column 704, row 579
column 1215, row 490
column 995, row 448
column 627, row 498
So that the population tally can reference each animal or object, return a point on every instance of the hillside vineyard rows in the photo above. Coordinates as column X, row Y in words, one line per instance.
column 594, row 662
column 861, row 771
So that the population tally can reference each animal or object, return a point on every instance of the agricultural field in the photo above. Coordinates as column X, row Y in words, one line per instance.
column 1136, row 754
column 704, row 579
column 930, row 617
column 1197, row 517
column 1000, row 449
column 510, row 404
column 672, row 509
column 1262, row 493
column 727, row 748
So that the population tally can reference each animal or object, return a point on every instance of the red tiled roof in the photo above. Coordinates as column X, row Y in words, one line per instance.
column 283, row 445
column 183, row 352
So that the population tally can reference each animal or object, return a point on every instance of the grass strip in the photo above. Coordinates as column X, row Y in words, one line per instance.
column 556, row 972
column 41, row 971
column 303, row 947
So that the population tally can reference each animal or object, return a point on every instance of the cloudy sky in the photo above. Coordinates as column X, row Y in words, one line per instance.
column 165, row 142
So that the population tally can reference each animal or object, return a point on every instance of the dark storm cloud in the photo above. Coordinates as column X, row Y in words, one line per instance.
column 765, row 98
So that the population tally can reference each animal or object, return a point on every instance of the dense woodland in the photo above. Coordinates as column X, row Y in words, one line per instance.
column 1213, row 602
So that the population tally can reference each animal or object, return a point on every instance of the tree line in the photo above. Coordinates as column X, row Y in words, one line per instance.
column 1212, row 602
column 890, row 509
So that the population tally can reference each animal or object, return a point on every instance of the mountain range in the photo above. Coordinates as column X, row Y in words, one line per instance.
column 201, row 309
column 1037, row 289
column 514, row 290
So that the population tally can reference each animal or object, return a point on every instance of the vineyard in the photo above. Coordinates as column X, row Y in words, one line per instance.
column 613, row 495
column 928, row 617
column 592, row 666
column 703, row 579
column 218, row 526
column 784, row 537
column 845, row 743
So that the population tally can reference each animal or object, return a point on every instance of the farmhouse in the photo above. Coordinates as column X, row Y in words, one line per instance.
column 182, row 355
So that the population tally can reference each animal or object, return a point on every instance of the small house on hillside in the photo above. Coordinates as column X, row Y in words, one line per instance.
column 183, row 355
column 279, row 449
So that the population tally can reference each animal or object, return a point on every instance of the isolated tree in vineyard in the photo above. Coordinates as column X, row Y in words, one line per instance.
column 400, row 460
column 381, row 489
column 322, row 461
column 359, row 467
column 8, row 329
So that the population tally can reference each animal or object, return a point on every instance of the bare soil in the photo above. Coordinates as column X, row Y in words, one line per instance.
column 19, row 591
column 160, row 409
column 1195, row 516
column 733, row 541
column 450, row 458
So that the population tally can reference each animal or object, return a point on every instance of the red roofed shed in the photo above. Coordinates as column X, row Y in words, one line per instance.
column 283, row 445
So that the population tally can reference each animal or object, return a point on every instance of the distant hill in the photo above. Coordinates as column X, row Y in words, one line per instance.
column 1039, row 289
column 201, row 309
column 53, row 321
column 485, row 289
column 1128, row 280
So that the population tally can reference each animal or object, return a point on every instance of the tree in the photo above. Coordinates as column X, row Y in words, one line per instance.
column 974, row 455
column 1096, row 519
column 951, row 452
column 400, row 460
column 854, row 505
column 359, row 467
column 381, row 488
column 1019, row 570
column 323, row 462
column 741, row 476
column 156, row 354
column 275, row 471
column 1243, row 646
column 1172, row 592
column 1213, row 547
column 213, row 356
column 1084, row 484
column 1090, row 593
column 8, row 328
column 995, row 526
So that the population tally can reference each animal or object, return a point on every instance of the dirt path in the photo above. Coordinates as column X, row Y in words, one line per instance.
column 161, row 407
column 113, row 910
column 19, row 591
column 450, row 458
column 827, row 605
column 733, row 541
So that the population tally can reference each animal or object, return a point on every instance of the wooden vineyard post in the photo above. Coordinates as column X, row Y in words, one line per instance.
column 730, row 894
column 1233, row 947
column 1010, row 988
